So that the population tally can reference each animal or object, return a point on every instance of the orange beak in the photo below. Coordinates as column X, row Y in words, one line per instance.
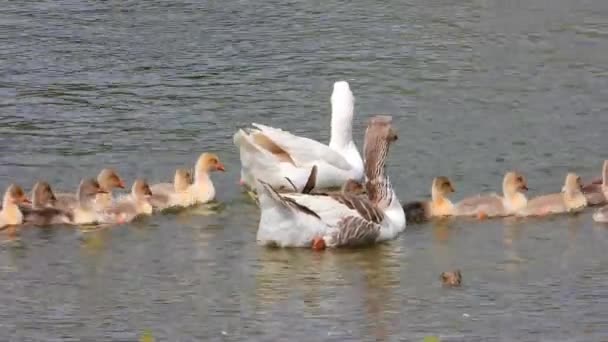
column 121, row 184
column 220, row 167
column 101, row 191
column 26, row 200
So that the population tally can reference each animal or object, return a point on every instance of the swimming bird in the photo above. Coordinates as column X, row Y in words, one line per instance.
column 514, row 185
column 439, row 205
column 127, row 208
column 108, row 179
column 202, row 190
column 273, row 155
column 85, row 212
column 11, row 215
column 571, row 199
column 166, row 195
column 337, row 220
column 42, row 212
column 452, row 278
column 596, row 192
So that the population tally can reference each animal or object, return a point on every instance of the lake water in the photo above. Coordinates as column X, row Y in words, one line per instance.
column 476, row 87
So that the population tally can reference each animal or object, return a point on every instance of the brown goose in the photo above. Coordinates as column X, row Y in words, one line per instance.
column 337, row 219
column 596, row 192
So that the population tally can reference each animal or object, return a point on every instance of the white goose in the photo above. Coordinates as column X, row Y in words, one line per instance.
column 271, row 154
column 337, row 220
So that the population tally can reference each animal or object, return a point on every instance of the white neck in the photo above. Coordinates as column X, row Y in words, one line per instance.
column 342, row 109
column 201, row 176
column 10, row 212
column 394, row 219
column 6, row 201
column 203, row 186
column 437, row 196
column 515, row 200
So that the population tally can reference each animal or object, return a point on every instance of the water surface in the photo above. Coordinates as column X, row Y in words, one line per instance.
column 475, row 88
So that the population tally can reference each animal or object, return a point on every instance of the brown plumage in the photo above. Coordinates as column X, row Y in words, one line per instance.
column 453, row 278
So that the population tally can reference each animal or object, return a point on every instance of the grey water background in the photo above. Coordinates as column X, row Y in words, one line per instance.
column 476, row 87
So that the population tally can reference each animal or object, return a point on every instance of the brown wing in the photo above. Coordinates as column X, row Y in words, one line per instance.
column 355, row 231
column 362, row 205
column 595, row 198
column 311, row 182
column 46, row 216
column 288, row 202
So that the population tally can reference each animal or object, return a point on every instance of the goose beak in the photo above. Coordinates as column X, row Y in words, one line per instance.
column 220, row 167
column 26, row 200
column 121, row 184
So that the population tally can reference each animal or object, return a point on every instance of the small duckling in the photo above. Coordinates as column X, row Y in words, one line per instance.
column 514, row 185
column 42, row 212
column 596, row 192
column 108, row 179
column 167, row 195
column 129, row 207
column 84, row 212
column 202, row 189
column 11, row 215
column 439, row 205
column 571, row 199
column 452, row 279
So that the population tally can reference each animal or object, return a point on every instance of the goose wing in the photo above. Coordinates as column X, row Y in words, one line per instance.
column 353, row 231
column 303, row 151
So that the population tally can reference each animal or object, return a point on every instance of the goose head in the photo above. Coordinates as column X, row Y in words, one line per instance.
column 141, row 190
column 208, row 162
column 87, row 190
column 572, row 183
column 109, row 179
column 42, row 195
column 441, row 187
column 181, row 180
column 379, row 135
column 453, row 278
column 14, row 195
column 514, row 182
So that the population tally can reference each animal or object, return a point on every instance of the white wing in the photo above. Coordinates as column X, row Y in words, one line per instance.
column 257, row 163
column 304, row 151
